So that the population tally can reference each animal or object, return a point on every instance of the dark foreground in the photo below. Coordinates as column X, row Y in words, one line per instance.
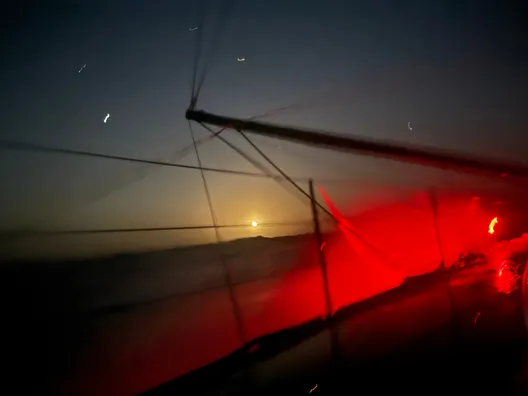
column 477, row 346
column 441, row 332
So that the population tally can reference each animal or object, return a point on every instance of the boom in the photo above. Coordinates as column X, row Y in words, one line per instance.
column 400, row 152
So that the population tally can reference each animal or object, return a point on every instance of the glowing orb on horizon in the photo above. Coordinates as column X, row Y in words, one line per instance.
column 254, row 224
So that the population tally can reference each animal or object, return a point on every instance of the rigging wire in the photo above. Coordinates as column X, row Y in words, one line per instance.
column 13, row 234
column 282, row 173
column 179, row 154
column 37, row 148
column 33, row 147
column 144, row 171
column 217, row 36
column 206, row 188
column 298, row 188
column 240, row 152
column 38, row 232
column 255, row 163
column 284, row 149
column 266, row 172
column 182, row 152
column 261, row 167
column 197, row 51
column 327, row 98
column 291, row 181
column 227, row 273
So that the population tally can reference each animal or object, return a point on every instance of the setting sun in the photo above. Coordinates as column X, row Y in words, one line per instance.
column 254, row 223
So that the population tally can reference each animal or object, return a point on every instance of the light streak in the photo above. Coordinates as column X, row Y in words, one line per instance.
column 491, row 228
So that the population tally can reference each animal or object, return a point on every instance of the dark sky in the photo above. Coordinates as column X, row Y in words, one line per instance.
column 455, row 69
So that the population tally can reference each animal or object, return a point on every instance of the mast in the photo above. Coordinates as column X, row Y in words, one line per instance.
column 400, row 152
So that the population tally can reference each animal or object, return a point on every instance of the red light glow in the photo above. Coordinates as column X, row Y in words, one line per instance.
column 507, row 277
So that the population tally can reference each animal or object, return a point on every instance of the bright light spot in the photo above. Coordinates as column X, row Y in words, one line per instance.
column 106, row 118
column 491, row 229
column 241, row 59
column 254, row 224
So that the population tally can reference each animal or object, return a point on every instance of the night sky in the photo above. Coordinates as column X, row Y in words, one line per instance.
column 457, row 70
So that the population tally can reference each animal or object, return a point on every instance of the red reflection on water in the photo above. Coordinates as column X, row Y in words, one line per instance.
column 507, row 277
